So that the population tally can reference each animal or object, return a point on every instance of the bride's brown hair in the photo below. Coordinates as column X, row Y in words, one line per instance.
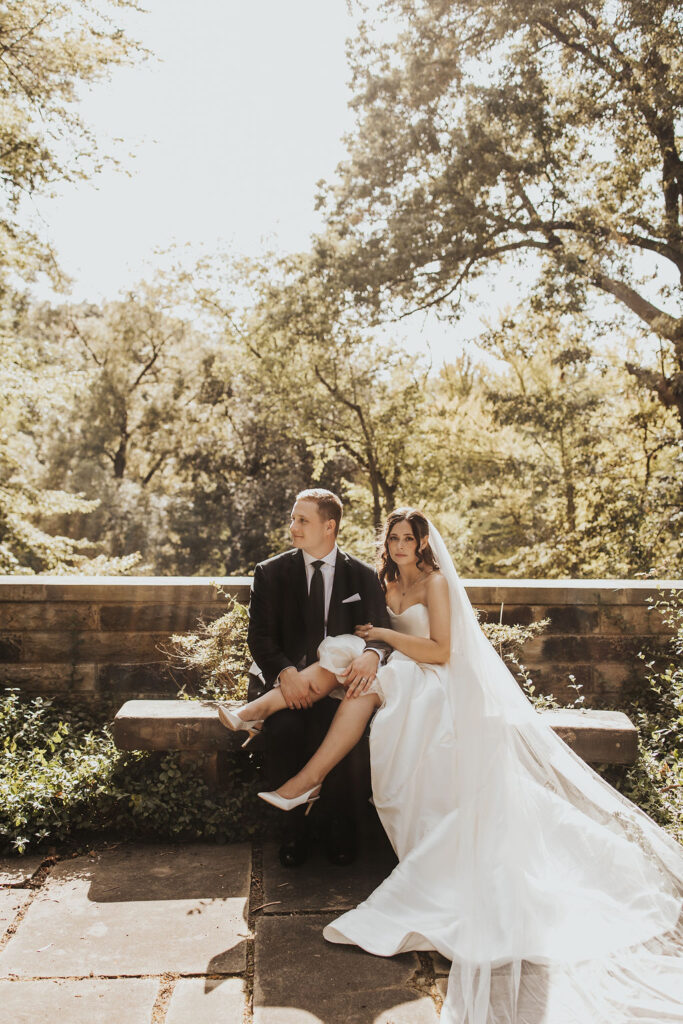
column 386, row 566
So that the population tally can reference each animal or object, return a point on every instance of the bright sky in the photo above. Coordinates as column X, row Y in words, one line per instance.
column 229, row 130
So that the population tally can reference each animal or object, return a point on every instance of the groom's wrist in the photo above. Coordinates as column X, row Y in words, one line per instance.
column 375, row 650
column 282, row 674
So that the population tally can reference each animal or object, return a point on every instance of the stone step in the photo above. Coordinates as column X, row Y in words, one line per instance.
column 599, row 737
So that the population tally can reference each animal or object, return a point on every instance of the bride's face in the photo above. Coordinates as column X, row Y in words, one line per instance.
column 402, row 545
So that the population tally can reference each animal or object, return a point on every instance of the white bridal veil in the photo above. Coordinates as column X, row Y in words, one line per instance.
column 563, row 901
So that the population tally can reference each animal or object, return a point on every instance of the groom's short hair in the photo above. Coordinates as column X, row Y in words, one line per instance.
column 329, row 505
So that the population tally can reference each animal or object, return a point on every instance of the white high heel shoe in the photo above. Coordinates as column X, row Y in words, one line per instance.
column 286, row 804
column 231, row 720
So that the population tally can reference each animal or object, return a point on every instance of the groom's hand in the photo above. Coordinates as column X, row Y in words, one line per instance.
column 360, row 673
column 295, row 690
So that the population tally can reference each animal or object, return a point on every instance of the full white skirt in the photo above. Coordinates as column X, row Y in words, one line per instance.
column 558, row 902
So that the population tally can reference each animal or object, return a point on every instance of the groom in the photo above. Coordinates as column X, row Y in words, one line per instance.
column 297, row 598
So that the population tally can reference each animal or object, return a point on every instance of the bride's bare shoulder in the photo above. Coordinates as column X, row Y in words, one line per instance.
column 436, row 585
column 436, row 589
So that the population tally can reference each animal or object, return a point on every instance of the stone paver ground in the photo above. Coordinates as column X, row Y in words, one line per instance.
column 199, row 934
column 11, row 902
column 137, row 910
column 302, row 979
column 81, row 1001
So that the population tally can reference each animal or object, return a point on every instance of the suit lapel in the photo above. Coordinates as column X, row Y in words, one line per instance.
column 299, row 576
column 339, row 587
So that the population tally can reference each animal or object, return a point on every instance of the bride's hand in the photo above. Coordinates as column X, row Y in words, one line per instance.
column 360, row 673
column 366, row 632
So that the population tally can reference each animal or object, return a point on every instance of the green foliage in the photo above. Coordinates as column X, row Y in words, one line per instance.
column 655, row 706
column 127, row 412
column 167, row 430
column 547, row 133
column 509, row 642
column 49, row 50
column 545, row 458
column 356, row 404
column 565, row 466
column 61, row 777
column 217, row 651
column 30, row 507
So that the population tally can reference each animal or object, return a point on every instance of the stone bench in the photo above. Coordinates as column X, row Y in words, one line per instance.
column 193, row 727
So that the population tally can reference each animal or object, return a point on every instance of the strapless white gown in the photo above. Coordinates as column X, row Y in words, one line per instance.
column 535, row 884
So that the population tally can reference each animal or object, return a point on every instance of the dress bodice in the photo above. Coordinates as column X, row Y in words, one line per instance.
column 414, row 620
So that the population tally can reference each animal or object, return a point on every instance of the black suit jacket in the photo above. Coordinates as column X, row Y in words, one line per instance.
column 279, row 593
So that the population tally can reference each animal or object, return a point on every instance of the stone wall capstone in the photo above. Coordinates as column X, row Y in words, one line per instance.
column 99, row 637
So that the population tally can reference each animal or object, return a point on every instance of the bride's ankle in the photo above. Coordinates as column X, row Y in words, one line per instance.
column 253, row 711
column 309, row 781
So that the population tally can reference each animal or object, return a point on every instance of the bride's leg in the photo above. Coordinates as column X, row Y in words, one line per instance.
column 272, row 701
column 346, row 729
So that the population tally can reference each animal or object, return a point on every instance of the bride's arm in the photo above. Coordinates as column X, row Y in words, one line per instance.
column 433, row 650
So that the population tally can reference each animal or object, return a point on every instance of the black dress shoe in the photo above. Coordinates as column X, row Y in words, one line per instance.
column 340, row 841
column 293, row 852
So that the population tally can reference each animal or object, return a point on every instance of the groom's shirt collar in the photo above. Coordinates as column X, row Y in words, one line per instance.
column 329, row 559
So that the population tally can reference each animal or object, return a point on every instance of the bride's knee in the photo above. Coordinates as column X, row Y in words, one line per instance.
column 321, row 682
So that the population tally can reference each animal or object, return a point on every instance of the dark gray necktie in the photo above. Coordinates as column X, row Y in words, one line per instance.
column 315, row 617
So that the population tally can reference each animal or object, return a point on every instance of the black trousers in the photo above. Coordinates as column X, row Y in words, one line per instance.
column 291, row 737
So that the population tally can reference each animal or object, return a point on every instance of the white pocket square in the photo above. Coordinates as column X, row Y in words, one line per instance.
column 348, row 600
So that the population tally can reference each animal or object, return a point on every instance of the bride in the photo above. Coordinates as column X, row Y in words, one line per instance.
column 556, row 898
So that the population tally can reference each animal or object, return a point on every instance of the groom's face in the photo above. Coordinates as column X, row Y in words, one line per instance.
column 309, row 530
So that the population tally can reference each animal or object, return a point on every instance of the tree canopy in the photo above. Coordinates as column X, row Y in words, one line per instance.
column 49, row 49
column 167, row 429
column 492, row 129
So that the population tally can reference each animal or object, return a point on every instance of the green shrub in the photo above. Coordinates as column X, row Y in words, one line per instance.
column 655, row 706
column 217, row 652
column 62, row 777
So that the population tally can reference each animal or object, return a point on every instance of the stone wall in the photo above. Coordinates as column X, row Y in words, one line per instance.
column 100, row 636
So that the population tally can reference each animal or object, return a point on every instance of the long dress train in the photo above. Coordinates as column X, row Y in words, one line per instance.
column 556, row 898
